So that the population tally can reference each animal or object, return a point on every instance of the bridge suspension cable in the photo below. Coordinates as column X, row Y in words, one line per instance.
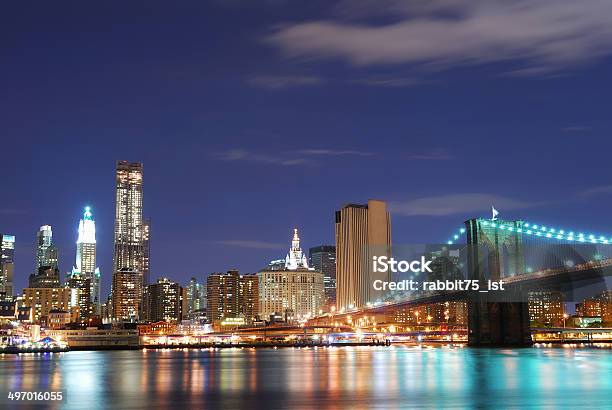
column 538, row 230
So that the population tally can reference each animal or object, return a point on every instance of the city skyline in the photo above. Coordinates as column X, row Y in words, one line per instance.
column 225, row 136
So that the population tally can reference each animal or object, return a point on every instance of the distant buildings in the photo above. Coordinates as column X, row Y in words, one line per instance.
column 546, row 308
column 162, row 301
column 80, row 296
column 146, row 249
column 599, row 306
column 46, row 277
column 295, row 291
column 85, row 265
column 362, row 231
column 196, row 300
column 323, row 259
column 46, row 252
column 7, row 265
column 126, row 295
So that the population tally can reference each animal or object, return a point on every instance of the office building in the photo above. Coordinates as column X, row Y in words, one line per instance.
column 44, row 300
column 546, row 308
column 85, row 265
column 295, row 291
column 195, row 302
column 128, row 259
column 126, row 295
column 46, row 252
column 129, row 231
column 323, row 259
column 362, row 231
column 7, row 265
column 45, row 277
column 249, row 297
column 162, row 301
column 146, row 250
column 223, row 295
column 81, row 301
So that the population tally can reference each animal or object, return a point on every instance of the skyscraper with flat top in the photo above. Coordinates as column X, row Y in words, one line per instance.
column 7, row 253
column 46, row 252
column 128, row 261
column 129, row 231
column 323, row 259
column 146, row 248
column 362, row 231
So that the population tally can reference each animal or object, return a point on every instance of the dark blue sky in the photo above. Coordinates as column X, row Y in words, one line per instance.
column 252, row 118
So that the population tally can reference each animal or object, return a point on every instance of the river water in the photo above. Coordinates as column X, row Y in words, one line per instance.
column 334, row 378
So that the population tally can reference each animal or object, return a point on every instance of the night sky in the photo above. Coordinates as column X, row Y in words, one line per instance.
column 254, row 117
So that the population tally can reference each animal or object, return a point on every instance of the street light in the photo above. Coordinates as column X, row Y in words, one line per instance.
column 565, row 316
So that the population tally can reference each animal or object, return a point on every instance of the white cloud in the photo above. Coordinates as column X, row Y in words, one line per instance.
column 599, row 190
column 282, row 82
column 251, row 244
column 331, row 152
column 540, row 35
column 433, row 155
column 466, row 203
column 244, row 155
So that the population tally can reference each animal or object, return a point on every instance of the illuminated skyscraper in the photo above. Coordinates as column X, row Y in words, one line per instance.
column 46, row 252
column 85, row 265
column 128, row 261
column 362, row 231
column 146, row 248
column 129, row 231
column 7, row 267
column 196, row 300
column 323, row 259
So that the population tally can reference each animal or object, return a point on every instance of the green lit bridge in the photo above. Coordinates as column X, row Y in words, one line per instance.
column 531, row 260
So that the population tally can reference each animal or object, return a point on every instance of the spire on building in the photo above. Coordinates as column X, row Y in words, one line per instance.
column 295, row 258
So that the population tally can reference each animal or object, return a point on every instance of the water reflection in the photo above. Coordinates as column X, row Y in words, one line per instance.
column 400, row 376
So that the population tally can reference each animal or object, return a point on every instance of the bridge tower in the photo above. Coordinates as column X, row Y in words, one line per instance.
column 494, row 254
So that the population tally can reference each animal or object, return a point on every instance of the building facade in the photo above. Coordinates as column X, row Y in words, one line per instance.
column 295, row 291
column 223, row 296
column 249, row 297
column 85, row 264
column 163, row 301
column 43, row 300
column 323, row 259
column 46, row 252
column 126, row 295
column 362, row 231
column 46, row 277
column 195, row 303
column 146, row 250
column 546, row 308
column 128, row 258
column 129, row 231
column 80, row 296
column 232, row 296
column 7, row 265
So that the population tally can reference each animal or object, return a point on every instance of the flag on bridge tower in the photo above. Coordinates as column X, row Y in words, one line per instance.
column 494, row 212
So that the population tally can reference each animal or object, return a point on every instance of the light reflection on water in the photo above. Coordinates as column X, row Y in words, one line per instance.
column 384, row 377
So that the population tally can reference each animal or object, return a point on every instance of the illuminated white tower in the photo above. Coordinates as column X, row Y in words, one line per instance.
column 86, row 256
column 296, row 258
